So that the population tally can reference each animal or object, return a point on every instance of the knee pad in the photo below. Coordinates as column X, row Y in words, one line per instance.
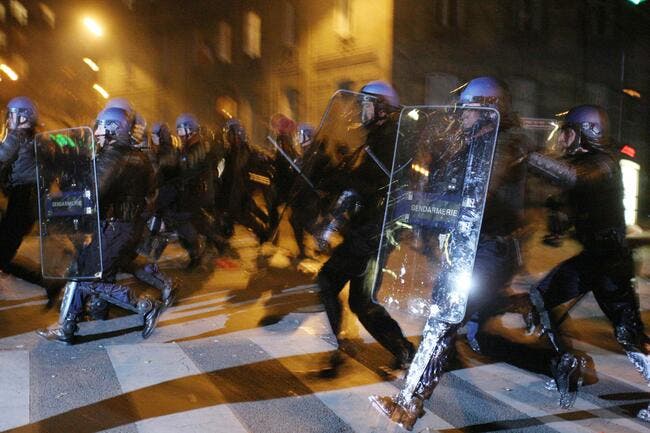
column 144, row 305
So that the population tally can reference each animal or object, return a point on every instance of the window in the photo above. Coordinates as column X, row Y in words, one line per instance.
column 224, row 42
column 447, row 13
column 289, row 28
column 343, row 18
column 19, row 12
column 252, row 35
column 3, row 13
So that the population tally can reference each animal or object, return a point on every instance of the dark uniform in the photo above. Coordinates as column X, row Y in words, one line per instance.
column 361, row 193
column 125, row 179
column 591, row 178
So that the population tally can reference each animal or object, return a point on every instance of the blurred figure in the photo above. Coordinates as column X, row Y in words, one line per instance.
column 125, row 180
column 18, row 157
column 237, row 187
column 195, row 205
column 360, row 201
column 590, row 174
column 497, row 257
column 283, row 173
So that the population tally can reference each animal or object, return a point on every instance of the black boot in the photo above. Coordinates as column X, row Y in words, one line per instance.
column 64, row 334
column 405, row 414
column 567, row 373
column 151, row 318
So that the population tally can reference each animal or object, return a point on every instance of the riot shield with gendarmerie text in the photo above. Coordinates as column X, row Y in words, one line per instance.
column 434, row 209
column 68, row 202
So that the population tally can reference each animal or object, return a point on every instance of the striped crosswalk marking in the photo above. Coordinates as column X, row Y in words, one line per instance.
column 524, row 392
column 143, row 365
column 14, row 388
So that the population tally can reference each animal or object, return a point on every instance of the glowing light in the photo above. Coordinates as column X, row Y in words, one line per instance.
column 636, row 2
column 462, row 86
column 413, row 114
column 93, row 26
column 633, row 93
column 419, row 169
column 630, row 173
column 556, row 126
column 629, row 151
column 562, row 113
column 100, row 90
column 463, row 283
column 92, row 65
column 10, row 72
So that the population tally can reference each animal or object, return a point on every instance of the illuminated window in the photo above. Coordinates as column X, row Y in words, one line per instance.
column 224, row 44
column 252, row 35
column 19, row 12
column 343, row 18
column 289, row 28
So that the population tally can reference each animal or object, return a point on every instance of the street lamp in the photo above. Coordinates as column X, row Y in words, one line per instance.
column 100, row 90
column 92, row 65
column 93, row 26
column 13, row 76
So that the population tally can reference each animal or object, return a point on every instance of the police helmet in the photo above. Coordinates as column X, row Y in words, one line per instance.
column 234, row 133
column 112, row 126
column 487, row 92
column 186, row 125
column 383, row 90
column 590, row 122
column 304, row 133
column 21, row 113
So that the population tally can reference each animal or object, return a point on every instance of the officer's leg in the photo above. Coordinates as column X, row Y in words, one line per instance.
column 423, row 376
column 378, row 322
column 17, row 222
column 152, row 275
column 616, row 296
column 189, row 239
column 123, row 297
column 74, row 297
column 566, row 281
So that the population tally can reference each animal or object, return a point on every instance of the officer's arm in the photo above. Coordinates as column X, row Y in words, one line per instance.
column 9, row 148
column 108, row 168
column 559, row 172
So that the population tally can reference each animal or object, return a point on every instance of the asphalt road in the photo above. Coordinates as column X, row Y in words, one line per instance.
column 241, row 350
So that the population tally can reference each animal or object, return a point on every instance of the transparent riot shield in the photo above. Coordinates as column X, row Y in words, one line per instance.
column 68, row 203
column 434, row 208
column 337, row 148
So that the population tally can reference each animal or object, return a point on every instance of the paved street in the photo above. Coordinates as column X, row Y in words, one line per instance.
column 241, row 349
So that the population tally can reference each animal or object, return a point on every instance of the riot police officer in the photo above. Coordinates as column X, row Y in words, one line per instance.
column 195, row 204
column 497, row 257
column 125, row 180
column 590, row 176
column 17, row 158
column 241, row 173
column 361, row 192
